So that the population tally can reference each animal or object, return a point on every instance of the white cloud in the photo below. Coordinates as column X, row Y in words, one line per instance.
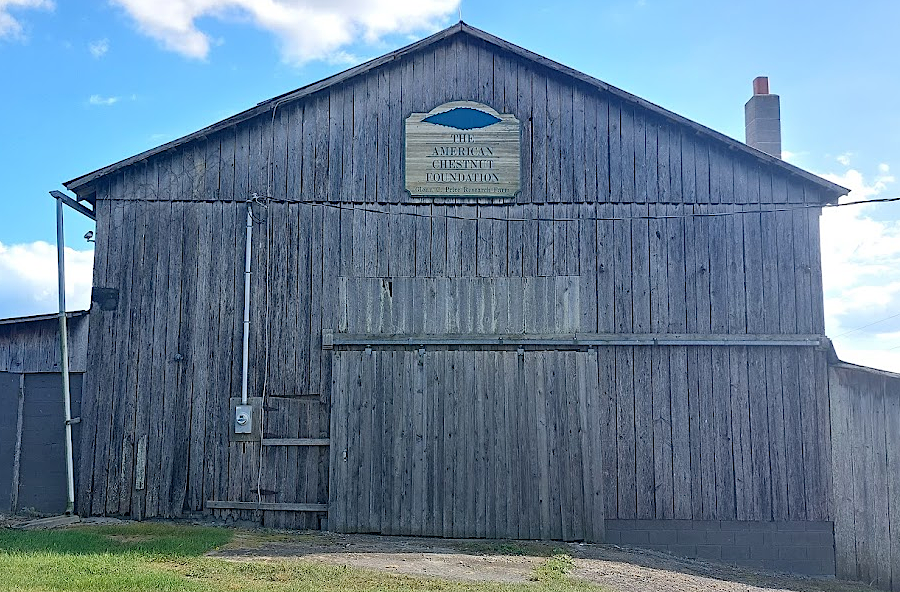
column 29, row 283
column 844, row 158
column 306, row 29
column 104, row 101
column 99, row 47
column 861, row 271
column 9, row 26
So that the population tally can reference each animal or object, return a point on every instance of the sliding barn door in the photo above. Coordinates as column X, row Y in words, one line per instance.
column 466, row 443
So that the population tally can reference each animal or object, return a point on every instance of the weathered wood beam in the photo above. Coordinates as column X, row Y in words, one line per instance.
column 570, row 340
column 73, row 204
column 17, row 454
column 279, row 507
column 296, row 441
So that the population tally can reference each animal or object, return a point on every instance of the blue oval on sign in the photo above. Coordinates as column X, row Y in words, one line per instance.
column 463, row 118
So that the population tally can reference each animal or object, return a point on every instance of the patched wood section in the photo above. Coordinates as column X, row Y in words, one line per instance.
column 865, row 439
column 479, row 305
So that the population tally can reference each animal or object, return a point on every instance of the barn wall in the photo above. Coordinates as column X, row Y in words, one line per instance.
column 704, row 433
column 865, row 420
column 712, row 433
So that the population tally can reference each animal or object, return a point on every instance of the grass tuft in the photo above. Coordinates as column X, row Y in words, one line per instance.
column 554, row 568
column 520, row 548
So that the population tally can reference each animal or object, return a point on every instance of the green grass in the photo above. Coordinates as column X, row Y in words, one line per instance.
column 146, row 539
column 490, row 547
column 555, row 568
column 165, row 557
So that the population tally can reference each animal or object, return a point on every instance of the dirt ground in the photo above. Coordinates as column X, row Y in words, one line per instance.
column 615, row 568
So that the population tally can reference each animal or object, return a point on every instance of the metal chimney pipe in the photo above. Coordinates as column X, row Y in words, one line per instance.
column 762, row 119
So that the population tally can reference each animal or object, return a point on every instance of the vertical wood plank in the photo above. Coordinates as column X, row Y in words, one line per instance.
column 892, row 431
column 337, row 98
column 91, row 388
column 625, row 429
column 117, row 459
column 841, row 434
column 579, row 130
column 539, row 122
column 861, row 412
column 680, row 391
column 524, row 103
column 881, row 535
column 615, row 153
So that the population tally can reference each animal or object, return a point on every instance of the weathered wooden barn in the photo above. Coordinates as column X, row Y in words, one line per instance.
column 625, row 343
column 32, row 425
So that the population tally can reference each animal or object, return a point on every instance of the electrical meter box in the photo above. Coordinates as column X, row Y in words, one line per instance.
column 243, row 419
column 246, row 420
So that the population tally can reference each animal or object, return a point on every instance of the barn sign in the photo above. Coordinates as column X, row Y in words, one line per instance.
column 463, row 149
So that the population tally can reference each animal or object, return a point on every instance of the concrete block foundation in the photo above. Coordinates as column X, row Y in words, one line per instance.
column 805, row 548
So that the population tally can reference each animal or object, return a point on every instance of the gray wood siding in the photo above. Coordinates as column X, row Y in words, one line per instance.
column 658, row 230
column 345, row 143
column 689, row 432
column 865, row 432
column 464, row 443
column 33, row 346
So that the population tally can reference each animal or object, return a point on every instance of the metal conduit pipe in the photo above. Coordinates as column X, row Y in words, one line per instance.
column 247, row 273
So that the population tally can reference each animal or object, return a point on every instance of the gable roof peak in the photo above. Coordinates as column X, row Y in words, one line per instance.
column 831, row 190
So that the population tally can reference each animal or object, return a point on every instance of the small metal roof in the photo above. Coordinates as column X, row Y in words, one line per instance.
column 43, row 317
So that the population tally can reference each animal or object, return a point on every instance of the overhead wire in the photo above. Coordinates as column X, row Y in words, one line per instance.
column 446, row 215
column 372, row 210
column 893, row 316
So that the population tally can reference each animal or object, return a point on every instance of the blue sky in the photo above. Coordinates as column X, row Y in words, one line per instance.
column 87, row 84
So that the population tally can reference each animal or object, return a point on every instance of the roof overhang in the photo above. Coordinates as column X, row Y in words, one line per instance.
column 42, row 317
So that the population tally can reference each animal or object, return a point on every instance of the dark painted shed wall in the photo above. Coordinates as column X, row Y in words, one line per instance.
column 42, row 460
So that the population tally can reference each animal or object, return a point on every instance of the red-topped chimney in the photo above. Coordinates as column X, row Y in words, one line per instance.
column 761, row 85
column 762, row 118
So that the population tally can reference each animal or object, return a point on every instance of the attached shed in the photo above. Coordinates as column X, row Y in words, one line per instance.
column 32, row 426
column 622, row 343
column 865, row 412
